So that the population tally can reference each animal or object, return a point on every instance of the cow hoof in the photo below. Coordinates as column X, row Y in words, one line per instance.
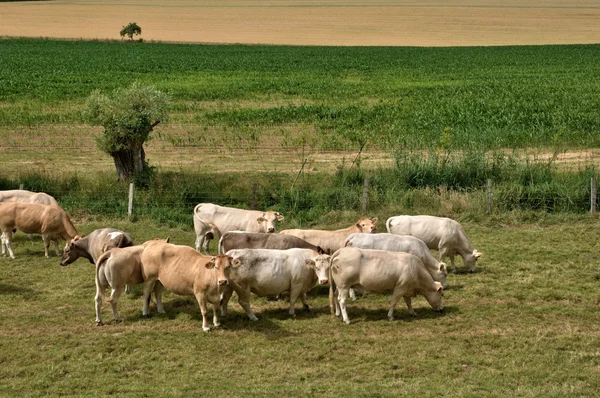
column 347, row 321
column 306, row 308
column 206, row 329
column 413, row 314
column 118, row 321
column 254, row 318
column 391, row 318
column 146, row 316
column 99, row 323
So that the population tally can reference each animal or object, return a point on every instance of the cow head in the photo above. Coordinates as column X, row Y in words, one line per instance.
column 222, row 265
column 268, row 219
column 72, row 252
column 320, row 264
column 434, row 296
column 470, row 260
column 367, row 225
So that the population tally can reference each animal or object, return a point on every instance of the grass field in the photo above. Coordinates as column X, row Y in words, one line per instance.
column 524, row 325
column 314, row 22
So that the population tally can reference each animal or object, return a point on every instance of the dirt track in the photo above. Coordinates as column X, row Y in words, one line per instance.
column 314, row 22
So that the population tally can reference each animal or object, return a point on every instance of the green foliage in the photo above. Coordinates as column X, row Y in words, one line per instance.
column 130, row 30
column 485, row 97
column 127, row 115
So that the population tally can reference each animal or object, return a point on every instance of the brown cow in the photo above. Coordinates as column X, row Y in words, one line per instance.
column 94, row 244
column 51, row 221
column 184, row 271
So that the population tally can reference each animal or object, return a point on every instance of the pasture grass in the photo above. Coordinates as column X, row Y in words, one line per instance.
column 525, row 324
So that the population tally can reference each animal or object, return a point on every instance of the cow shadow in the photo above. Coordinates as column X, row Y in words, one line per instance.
column 24, row 292
column 356, row 313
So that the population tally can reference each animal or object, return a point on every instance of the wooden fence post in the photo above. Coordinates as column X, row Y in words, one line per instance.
column 130, row 206
column 21, row 187
column 489, row 196
column 253, row 198
column 365, row 197
column 593, row 196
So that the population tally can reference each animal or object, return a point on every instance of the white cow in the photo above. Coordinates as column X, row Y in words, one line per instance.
column 406, row 244
column 267, row 272
column 23, row 196
column 211, row 221
column 381, row 271
column 443, row 234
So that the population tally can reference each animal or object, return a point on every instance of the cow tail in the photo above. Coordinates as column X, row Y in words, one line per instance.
column 101, row 260
column 331, row 285
column 220, row 247
column 387, row 225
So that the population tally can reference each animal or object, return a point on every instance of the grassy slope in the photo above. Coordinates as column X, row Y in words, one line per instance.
column 524, row 325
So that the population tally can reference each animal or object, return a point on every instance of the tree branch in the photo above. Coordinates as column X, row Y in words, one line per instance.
column 156, row 123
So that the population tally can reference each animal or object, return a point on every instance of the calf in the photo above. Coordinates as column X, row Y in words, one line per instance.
column 267, row 272
column 331, row 241
column 439, row 233
column 51, row 221
column 380, row 271
column 211, row 220
column 406, row 244
column 258, row 240
column 184, row 271
column 94, row 244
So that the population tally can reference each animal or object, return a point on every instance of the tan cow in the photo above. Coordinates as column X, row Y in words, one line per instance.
column 186, row 272
column 259, row 240
column 330, row 241
column 23, row 196
column 211, row 221
column 381, row 271
column 51, row 221
column 116, row 268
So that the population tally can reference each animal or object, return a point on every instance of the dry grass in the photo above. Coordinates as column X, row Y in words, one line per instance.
column 316, row 22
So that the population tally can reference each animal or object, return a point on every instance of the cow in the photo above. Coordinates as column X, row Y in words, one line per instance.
column 266, row 272
column 260, row 240
column 49, row 220
column 94, row 244
column 381, row 271
column 330, row 241
column 440, row 233
column 20, row 195
column 116, row 268
column 211, row 221
column 406, row 244
column 184, row 271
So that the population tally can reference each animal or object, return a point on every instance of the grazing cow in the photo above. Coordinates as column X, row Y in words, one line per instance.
column 381, row 271
column 20, row 195
column 260, row 240
column 440, row 233
column 116, row 268
column 267, row 272
column 406, row 244
column 51, row 221
column 94, row 244
column 331, row 241
column 212, row 221
column 186, row 272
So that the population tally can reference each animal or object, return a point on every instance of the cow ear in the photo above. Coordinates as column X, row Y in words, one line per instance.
column 477, row 254
column 211, row 263
column 439, row 288
column 279, row 217
column 236, row 262
column 261, row 219
column 374, row 220
column 320, row 250
column 310, row 263
column 168, row 239
column 443, row 267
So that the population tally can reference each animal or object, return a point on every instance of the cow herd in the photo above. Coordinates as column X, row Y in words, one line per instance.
column 252, row 257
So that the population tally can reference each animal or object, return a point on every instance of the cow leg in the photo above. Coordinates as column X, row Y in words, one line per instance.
column 56, row 249
column 409, row 305
column 244, row 300
column 225, row 299
column 8, row 241
column 294, row 293
column 342, row 297
column 352, row 294
column 148, row 287
column 46, row 240
column 216, row 321
column 158, row 291
column 396, row 294
column 444, row 252
column 114, row 299
column 206, row 245
column 100, row 289
column 199, row 242
column 336, row 302
column 304, row 302
column 2, row 238
column 204, row 310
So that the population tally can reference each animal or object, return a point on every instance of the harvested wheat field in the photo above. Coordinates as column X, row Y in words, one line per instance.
column 314, row 22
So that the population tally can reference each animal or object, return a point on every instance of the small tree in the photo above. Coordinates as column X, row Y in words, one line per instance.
column 130, row 30
column 128, row 118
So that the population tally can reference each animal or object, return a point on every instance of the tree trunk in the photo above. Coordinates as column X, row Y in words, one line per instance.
column 129, row 161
